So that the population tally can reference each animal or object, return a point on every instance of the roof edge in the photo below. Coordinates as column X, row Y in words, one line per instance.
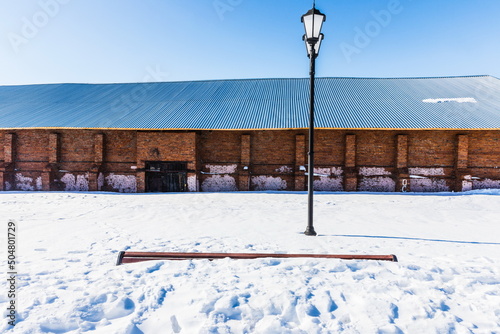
column 252, row 129
column 252, row 79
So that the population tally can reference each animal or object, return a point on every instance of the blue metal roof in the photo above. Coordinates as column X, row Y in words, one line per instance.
column 471, row 102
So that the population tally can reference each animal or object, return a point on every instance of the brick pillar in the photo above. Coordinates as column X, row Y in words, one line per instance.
column 46, row 178
column 98, row 161
column 403, row 177
column 350, row 173
column 463, row 180
column 245, row 160
column 300, row 161
column 141, row 176
column 54, row 148
column 9, row 158
column 194, row 174
column 93, row 184
column 9, row 148
column 99, row 148
column 462, row 151
column 54, row 151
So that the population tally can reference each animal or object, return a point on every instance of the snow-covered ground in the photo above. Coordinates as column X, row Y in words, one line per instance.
column 447, row 279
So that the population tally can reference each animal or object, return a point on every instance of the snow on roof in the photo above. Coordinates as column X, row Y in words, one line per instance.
column 453, row 99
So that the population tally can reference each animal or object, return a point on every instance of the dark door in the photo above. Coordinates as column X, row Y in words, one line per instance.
column 166, row 176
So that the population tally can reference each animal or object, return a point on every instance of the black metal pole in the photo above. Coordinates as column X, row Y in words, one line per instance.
column 310, row 187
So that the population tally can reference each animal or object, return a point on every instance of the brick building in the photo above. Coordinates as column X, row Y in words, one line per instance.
column 408, row 134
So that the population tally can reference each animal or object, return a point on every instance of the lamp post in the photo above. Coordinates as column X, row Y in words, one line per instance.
column 313, row 20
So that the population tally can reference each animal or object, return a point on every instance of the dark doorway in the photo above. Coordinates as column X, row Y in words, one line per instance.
column 166, row 176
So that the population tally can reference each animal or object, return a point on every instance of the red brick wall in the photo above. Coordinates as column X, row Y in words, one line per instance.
column 329, row 147
column 432, row 148
column 484, row 158
column 31, row 145
column 77, row 146
column 375, row 148
column 273, row 147
column 384, row 160
column 120, row 146
column 484, row 149
column 219, row 146
column 165, row 146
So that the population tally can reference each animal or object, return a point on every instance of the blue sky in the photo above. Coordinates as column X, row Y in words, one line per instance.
column 101, row 41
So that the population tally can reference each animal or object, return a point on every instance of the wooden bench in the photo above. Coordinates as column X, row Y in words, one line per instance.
column 132, row 257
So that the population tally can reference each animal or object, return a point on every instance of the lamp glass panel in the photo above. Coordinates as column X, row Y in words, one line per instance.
column 318, row 22
column 318, row 44
column 308, row 24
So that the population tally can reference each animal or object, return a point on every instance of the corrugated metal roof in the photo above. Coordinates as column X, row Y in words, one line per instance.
column 345, row 103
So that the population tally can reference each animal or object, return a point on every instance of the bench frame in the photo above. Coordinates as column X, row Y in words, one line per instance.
column 132, row 257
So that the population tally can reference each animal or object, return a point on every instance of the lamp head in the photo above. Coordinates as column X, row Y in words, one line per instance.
column 313, row 21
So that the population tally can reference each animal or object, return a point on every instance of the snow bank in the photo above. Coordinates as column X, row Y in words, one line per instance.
column 328, row 184
column 38, row 183
column 422, row 180
column 192, row 182
column 217, row 183
column 100, row 181
column 447, row 280
column 75, row 183
column 373, row 171
column 485, row 184
column 424, row 185
column 219, row 179
column 122, row 183
column 24, row 183
column 263, row 182
column 377, row 183
column 284, row 169
column 437, row 171
column 222, row 169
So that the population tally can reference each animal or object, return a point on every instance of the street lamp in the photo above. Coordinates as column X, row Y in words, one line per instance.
column 313, row 20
